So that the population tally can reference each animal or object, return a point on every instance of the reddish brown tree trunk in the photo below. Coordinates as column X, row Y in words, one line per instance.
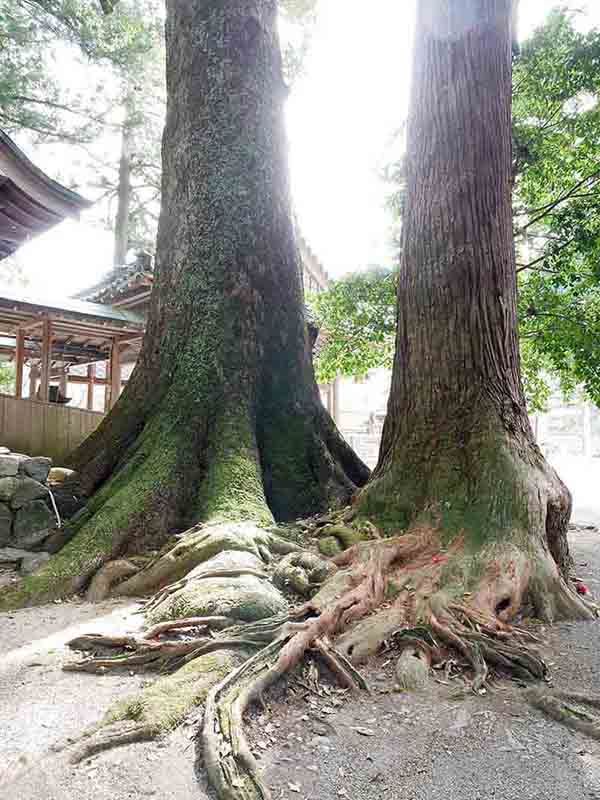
column 457, row 449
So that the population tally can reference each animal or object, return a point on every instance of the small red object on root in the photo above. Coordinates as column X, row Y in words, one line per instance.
column 439, row 558
column 581, row 587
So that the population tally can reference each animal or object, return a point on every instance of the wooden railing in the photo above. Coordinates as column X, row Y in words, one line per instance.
column 44, row 429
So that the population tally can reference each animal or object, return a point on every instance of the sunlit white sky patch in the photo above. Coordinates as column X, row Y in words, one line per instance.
column 342, row 116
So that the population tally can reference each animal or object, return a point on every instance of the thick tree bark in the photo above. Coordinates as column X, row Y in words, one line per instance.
column 458, row 451
column 222, row 418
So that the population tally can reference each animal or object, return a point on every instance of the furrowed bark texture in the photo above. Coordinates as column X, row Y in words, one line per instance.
column 457, row 444
column 222, row 419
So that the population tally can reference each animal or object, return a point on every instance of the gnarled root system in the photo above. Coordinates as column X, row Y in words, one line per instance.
column 430, row 603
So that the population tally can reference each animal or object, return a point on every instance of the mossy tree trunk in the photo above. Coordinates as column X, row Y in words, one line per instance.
column 458, row 451
column 221, row 419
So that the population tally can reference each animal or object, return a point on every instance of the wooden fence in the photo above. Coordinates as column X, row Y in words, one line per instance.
column 44, row 429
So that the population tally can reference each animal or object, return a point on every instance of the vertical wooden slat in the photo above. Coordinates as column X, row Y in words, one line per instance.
column 64, row 382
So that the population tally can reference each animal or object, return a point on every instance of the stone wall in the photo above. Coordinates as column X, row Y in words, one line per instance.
column 27, row 518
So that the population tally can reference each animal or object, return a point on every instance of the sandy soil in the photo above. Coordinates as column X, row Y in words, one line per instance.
column 317, row 744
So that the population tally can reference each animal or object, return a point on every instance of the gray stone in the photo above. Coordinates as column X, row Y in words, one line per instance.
column 33, row 523
column 12, row 554
column 27, row 490
column 6, row 519
column 9, row 466
column 32, row 561
column 37, row 468
column 8, row 486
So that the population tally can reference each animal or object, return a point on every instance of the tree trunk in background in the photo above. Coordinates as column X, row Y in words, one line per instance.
column 221, row 419
column 457, row 447
column 123, row 194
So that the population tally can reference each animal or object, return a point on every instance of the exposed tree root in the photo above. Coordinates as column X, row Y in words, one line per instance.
column 117, row 735
column 140, row 653
column 232, row 769
column 202, row 623
column 195, row 547
column 345, row 671
column 160, row 707
column 569, row 709
column 107, row 576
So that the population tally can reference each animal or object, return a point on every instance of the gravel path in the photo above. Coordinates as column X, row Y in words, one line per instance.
column 442, row 744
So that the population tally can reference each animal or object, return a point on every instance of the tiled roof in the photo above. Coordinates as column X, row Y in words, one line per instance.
column 120, row 281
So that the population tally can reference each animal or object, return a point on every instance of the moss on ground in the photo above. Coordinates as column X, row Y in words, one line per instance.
column 329, row 546
column 165, row 703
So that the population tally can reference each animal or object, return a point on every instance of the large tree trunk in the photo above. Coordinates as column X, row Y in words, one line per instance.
column 231, row 427
column 458, row 452
column 222, row 419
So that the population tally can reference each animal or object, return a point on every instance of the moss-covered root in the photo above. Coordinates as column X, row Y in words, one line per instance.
column 160, row 707
column 199, row 545
column 569, row 708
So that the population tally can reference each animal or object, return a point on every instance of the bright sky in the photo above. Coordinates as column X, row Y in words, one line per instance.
column 341, row 119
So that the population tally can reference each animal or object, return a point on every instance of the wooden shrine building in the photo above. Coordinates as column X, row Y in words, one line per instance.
column 47, row 338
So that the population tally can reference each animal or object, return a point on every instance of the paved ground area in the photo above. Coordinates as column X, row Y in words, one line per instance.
column 444, row 743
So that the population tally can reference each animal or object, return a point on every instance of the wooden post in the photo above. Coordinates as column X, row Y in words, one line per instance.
column 46, row 360
column 91, row 374
column 115, row 372
column 19, row 361
column 34, row 374
column 63, row 383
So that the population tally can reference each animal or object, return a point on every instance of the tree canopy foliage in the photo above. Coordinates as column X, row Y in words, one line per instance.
column 357, row 315
column 72, row 75
column 557, row 198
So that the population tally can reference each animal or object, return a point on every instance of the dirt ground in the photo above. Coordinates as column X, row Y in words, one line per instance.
column 314, row 741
